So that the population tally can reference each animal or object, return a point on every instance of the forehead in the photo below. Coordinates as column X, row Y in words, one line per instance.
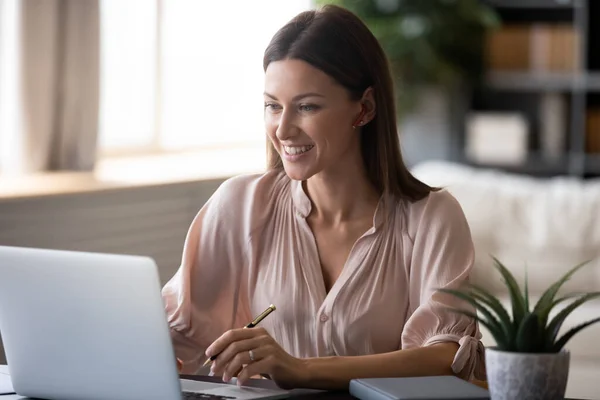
column 290, row 77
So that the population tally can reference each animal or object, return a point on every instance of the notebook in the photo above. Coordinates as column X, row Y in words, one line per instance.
column 417, row 388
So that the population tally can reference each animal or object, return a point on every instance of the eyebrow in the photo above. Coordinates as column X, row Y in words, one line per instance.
column 297, row 97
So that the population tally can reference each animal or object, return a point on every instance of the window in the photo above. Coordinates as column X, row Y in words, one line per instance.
column 128, row 80
column 183, row 74
column 9, row 78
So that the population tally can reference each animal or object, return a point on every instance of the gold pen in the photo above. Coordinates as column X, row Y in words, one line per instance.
column 252, row 324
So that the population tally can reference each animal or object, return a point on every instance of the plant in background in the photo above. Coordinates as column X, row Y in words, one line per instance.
column 428, row 42
column 528, row 330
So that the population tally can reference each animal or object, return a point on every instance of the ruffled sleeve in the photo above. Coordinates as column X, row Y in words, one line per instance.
column 202, row 299
column 442, row 257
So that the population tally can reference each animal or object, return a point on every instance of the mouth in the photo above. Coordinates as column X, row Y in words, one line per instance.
column 297, row 150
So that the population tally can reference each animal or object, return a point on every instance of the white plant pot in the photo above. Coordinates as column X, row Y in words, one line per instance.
column 527, row 376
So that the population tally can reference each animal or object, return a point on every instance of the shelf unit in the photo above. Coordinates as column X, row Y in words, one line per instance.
column 522, row 91
column 543, row 82
column 525, row 4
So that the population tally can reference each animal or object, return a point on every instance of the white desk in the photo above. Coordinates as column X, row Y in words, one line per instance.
column 260, row 387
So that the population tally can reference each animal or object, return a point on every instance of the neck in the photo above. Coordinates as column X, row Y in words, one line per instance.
column 342, row 194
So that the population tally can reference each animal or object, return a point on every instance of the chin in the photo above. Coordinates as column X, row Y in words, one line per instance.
column 297, row 173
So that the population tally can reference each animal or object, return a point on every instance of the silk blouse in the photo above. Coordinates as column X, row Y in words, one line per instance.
column 250, row 246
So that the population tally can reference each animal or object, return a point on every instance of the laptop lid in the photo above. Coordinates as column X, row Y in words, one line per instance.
column 85, row 326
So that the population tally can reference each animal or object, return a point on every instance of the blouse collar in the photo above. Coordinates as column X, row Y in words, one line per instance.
column 303, row 205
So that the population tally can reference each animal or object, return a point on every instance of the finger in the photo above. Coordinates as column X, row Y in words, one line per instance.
column 242, row 347
column 232, row 335
column 234, row 375
column 212, row 372
column 238, row 371
column 237, row 354
column 260, row 367
column 242, row 359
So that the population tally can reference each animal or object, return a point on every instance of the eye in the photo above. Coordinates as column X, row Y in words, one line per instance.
column 272, row 106
column 309, row 107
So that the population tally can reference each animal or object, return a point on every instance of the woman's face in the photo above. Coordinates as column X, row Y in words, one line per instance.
column 309, row 118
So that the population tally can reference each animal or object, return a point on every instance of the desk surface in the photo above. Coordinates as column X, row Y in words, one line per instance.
column 264, row 383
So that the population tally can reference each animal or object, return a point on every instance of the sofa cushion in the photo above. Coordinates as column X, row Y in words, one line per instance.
column 545, row 226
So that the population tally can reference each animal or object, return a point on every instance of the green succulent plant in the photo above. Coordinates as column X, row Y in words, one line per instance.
column 529, row 329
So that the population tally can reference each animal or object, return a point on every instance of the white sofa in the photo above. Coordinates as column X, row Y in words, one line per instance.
column 545, row 225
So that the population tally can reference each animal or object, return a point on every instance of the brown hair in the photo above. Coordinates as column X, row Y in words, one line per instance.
column 338, row 43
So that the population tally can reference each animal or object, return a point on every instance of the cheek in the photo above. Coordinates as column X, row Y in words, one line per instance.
column 271, row 126
column 320, row 123
column 331, row 129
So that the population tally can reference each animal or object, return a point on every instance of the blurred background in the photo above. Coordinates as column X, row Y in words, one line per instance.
column 119, row 118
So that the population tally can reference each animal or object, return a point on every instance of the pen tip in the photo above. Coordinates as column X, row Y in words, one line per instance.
column 273, row 307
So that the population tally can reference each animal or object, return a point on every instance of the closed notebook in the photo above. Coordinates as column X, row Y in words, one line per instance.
column 417, row 388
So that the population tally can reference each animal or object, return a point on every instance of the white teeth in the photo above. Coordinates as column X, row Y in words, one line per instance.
column 297, row 149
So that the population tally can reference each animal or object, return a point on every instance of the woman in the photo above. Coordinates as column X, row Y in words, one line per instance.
column 337, row 234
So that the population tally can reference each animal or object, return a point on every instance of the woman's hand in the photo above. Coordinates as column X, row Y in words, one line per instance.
column 244, row 353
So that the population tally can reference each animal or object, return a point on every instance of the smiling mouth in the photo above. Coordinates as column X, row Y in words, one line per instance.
column 296, row 150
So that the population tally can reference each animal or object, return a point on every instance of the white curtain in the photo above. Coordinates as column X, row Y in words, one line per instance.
column 197, row 68
column 56, row 93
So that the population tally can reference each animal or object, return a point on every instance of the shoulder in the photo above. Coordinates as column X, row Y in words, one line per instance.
column 249, row 188
column 242, row 202
column 437, row 203
column 439, row 210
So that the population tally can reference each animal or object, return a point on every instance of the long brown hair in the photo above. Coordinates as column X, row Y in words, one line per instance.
column 338, row 43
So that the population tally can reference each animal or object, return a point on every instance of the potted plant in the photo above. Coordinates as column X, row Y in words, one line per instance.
column 530, row 360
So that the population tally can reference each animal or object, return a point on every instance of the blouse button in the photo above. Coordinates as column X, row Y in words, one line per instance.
column 324, row 317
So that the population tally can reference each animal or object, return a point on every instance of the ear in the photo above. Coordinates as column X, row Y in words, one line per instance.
column 368, row 107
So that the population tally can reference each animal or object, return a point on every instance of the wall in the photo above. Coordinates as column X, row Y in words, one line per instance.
column 150, row 221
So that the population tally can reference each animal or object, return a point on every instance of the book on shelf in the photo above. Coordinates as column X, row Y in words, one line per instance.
column 592, row 131
column 508, row 48
column 534, row 47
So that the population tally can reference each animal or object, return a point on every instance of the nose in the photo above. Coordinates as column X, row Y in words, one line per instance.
column 286, row 126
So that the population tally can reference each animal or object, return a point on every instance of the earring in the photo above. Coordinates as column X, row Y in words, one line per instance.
column 359, row 121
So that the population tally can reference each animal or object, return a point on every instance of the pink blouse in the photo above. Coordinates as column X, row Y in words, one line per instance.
column 250, row 245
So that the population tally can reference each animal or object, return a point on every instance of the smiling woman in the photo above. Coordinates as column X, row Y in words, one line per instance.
column 337, row 234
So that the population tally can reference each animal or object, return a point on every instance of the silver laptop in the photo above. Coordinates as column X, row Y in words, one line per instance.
column 93, row 326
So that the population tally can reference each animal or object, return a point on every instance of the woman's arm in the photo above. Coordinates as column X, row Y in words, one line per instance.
column 234, row 350
column 336, row 372
column 202, row 298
